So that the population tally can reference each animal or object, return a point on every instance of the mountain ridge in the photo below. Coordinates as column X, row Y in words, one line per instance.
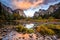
column 49, row 11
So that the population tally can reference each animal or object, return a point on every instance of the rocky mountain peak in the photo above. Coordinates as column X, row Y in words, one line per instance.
column 9, row 10
column 51, row 9
column 20, row 12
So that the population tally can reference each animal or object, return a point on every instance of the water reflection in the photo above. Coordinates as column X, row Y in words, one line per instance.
column 29, row 25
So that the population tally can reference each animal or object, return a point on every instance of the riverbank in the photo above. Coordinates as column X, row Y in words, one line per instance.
column 13, row 35
column 7, row 27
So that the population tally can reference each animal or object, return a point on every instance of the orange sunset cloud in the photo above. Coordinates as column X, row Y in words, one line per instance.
column 26, row 4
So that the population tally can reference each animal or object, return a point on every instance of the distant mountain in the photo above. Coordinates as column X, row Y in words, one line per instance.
column 20, row 12
column 9, row 10
column 40, row 12
column 56, row 14
column 5, row 8
column 51, row 10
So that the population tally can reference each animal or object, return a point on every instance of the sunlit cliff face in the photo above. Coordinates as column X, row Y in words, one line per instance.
column 26, row 4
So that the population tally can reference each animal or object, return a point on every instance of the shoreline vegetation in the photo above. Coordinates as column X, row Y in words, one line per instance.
column 41, row 28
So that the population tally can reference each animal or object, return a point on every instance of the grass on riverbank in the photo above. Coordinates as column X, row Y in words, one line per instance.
column 48, row 29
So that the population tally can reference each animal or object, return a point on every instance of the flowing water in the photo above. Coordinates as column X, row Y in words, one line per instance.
column 29, row 25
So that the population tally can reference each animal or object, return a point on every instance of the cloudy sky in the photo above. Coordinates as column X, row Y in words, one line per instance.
column 29, row 6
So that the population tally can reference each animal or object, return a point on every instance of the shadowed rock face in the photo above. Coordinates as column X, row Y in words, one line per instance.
column 20, row 12
column 53, row 8
column 50, row 10
column 5, row 8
